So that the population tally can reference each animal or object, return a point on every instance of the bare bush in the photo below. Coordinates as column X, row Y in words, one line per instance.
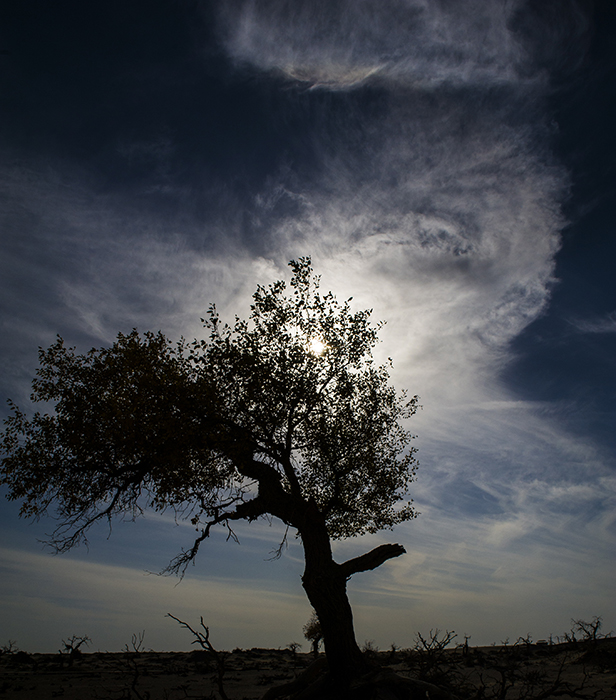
column 72, row 647
column 428, row 659
column 203, row 640
column 136, row 643
column 9, row 648
column 588, row 631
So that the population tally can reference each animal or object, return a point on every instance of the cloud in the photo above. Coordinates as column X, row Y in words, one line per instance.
column 528, row 568
column 442, row 217
column 437, row 203
column 86, row 263
column 49, row 598
column 436, row 200
column 345, row 44
column 411, row 42
column 607, row 324
column 456, row 577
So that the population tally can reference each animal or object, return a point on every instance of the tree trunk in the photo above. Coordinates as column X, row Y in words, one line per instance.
column 323, row 579
column 325, row 586
column 327, row 593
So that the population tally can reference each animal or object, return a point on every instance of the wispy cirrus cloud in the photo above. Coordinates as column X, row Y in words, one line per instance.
column 71, row 596
column 607, row 324
column 86, row 263
column 416, row 43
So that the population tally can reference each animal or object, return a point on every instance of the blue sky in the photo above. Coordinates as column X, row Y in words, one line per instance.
column 453, row 169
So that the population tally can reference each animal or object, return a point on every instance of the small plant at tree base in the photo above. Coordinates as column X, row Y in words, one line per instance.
column 524, row 641
column 464, row 647
column 370, row 649
column 433, row 643
column 393, row 651
column 313, row 633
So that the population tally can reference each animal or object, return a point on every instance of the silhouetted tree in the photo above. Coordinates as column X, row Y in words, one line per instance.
column 284, row 414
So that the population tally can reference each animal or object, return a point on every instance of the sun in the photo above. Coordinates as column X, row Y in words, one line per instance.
column 317, row 347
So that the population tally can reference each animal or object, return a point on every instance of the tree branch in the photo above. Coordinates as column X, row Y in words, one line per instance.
column 249, row 510
column 371, row 560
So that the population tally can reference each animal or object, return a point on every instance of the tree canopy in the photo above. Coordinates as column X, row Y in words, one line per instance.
column 291, row 395
column 282, row 415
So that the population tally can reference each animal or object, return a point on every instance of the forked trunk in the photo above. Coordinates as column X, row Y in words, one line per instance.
column 327, row 594
column 325, row 586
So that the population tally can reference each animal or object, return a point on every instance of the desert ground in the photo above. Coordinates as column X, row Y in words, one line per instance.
column 510, row 672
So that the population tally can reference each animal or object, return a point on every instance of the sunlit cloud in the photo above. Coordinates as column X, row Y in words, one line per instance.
column 344, row 44
column 410, row 42
column 457, row 256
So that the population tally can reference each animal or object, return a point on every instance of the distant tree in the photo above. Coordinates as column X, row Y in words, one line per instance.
column 284, row 414
column 313, row 633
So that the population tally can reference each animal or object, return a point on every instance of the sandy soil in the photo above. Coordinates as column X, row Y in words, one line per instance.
column 523, row 672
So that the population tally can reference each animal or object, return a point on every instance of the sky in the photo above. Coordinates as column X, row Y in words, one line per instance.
column 449, row 165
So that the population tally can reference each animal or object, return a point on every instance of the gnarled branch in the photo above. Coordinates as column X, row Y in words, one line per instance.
column 371, row 560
